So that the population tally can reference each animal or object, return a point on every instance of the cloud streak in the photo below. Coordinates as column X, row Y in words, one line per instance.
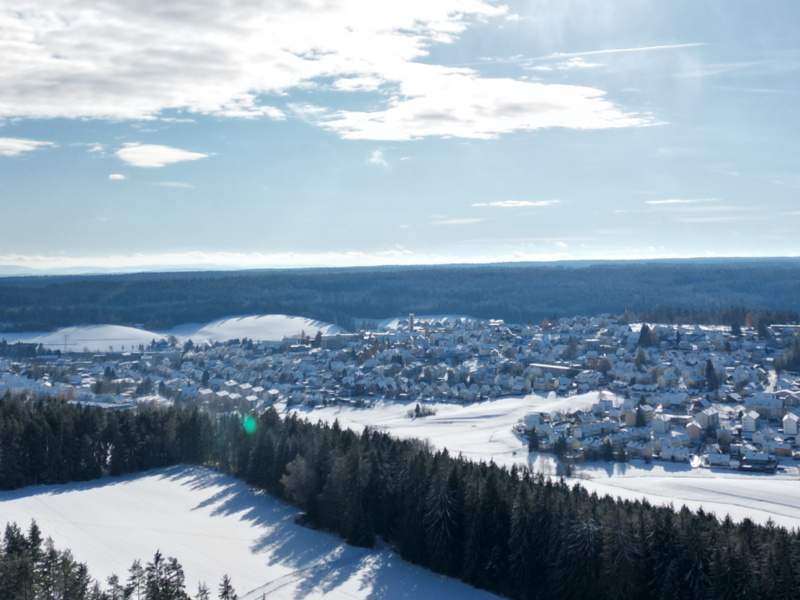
column 155, row 156
column 680, row 201
column 519, row 203
column 17, row 146
column 458, row 221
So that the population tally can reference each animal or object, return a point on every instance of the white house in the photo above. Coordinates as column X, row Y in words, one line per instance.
column 708, row 418
column 750, row 421
column 660, row 424
column 790, row 422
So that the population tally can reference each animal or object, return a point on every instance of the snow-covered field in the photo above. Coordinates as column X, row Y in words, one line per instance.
column 483, row 431
column 102, row 338
column 214, row 525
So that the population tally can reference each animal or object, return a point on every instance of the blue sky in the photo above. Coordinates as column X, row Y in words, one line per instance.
column 278, row 134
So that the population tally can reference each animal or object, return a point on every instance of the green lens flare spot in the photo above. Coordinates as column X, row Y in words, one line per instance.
column 249, row 424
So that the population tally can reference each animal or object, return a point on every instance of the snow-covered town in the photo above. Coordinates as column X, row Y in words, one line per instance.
column 707, row 396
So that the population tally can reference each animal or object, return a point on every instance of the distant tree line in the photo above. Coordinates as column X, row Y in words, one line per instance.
column 733, row 316
column 509, row 531
column 34, row 569
column 665, row 292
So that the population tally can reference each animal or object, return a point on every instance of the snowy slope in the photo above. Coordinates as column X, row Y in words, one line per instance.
column 271, row 328
column 92, row 338
column 101, row 338
column 216, row 525
column 483, row 431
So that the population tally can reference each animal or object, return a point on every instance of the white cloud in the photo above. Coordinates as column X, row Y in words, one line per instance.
column 134, row 60
column 357, row 84
column 376, row 158
column 152, row 155
column 465, row 105
column 116, row 177
column 96, row 148
column 16, row 146
column 576, row 63
column 679, row 201
column 519, row 203
column 175, row 184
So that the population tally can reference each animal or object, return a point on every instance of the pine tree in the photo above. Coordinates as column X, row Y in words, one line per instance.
column 203, row 592
column 577, row 568
column 522, row 544
column 443, row 523
column 622, row 559
column 712, row 382
column 226, row 591
column 136, row 587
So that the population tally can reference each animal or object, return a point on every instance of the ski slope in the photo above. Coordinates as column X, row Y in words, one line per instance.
column 117, row 338
column 483, row 431
column 216, row 525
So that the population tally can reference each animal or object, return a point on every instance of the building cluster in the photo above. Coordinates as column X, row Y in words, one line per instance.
column 682, row 392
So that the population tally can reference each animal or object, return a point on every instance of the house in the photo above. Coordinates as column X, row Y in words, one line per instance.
column 708, row 418
column 660, row 424
column 694, row 430
column 790, row 422
column 717, row 459
column 642, row 449
column 675, row 454
column 750, row 421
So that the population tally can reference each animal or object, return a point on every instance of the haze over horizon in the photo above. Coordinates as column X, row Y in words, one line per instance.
column 307, row 134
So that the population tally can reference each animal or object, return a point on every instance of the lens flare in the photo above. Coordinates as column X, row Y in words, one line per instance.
column 249, row 424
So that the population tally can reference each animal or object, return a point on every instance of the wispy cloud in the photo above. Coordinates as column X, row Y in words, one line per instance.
column 518, row 203
column 175, row 184
column 116, row 177
column 749, row 89
column 560, row 55
column 708, row 70
column 17, row 146
column 720, row 219
column 377, row 159
column 154, row 156
column 458, row 221
column 679, row 201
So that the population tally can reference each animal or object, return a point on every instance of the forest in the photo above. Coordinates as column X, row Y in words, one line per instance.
column 513, row 532
column 686, row 291
column 32, row 568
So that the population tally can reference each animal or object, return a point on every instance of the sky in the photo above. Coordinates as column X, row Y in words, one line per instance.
column 164, row 134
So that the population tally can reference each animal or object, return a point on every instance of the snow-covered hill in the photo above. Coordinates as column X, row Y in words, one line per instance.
column 270, row 328
column 116, row 338
column 88, row 338
column 216, row 525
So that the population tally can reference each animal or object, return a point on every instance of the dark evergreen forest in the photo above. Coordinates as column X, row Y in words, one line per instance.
column 512, row 532
column 678, row 291
column 32, row 568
